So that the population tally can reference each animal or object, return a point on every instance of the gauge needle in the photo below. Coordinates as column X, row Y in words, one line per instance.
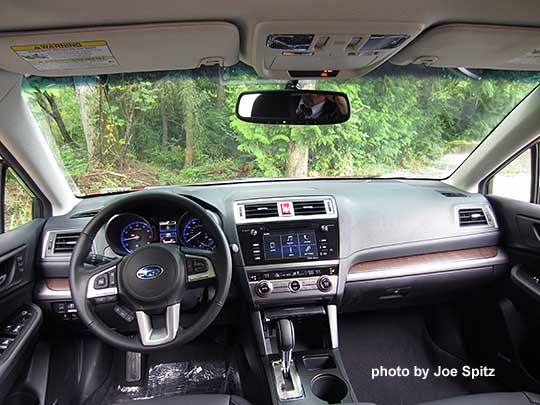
column 194, row 236
column 136, row 237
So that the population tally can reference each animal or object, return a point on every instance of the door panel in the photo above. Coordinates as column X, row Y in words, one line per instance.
column 520, row 223
column 519, row 304
column 20, row 320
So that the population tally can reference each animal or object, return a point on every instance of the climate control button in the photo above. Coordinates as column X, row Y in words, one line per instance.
column 264, row 288
column 324, row 283
column 295, row 286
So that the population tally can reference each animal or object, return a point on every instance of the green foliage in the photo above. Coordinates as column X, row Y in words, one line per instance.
column 180, row 127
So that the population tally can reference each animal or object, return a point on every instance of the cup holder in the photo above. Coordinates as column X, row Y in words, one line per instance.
column 329, row 388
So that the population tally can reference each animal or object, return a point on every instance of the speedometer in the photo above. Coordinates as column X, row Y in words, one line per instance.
column 135, row 234
column 194, row 234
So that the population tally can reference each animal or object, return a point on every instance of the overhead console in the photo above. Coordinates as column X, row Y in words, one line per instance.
column 290, row 247
column 475, row 46
column 322, row 49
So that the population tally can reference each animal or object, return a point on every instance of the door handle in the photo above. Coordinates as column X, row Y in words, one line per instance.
column 3, row 279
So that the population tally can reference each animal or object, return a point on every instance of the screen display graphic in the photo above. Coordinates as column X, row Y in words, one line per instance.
column 294, row 245
column 167, row 232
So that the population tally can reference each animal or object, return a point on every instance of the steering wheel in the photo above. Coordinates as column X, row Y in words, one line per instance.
column 151, row 280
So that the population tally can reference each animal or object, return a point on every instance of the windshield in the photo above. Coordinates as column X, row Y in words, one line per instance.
column 127, row 131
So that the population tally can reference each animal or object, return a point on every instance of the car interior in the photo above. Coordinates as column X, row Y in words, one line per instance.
column 270, row 202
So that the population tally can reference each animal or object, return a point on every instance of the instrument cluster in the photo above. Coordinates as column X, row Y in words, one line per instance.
column 127, row 232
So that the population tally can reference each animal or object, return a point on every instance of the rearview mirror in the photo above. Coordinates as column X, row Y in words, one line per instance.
column 293, row 107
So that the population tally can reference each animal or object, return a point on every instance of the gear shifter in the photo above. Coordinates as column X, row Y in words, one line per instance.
column 286, row 345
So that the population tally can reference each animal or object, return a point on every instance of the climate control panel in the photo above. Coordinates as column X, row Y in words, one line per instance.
column 294, row 284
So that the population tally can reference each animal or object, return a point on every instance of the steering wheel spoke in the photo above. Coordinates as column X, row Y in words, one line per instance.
column 102, row 283
column 158, row 330
column 199, row 264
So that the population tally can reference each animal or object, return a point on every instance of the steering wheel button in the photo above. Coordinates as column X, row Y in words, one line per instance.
column 112, row 278
column 200, row 267
column 101, row 281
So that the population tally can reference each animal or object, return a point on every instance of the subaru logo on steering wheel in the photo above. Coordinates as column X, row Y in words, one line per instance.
column 149, row 272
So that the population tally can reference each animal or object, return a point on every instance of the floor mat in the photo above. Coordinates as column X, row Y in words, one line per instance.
column 391, row 339
column 181, row 378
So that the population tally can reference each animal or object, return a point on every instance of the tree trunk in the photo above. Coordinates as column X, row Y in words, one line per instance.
column 297, row 166
column 190, row 95
column 128, row 134
column 221, row 95
column 188, row 160
column 164, row 124
column 47, row 102
column 87, row 113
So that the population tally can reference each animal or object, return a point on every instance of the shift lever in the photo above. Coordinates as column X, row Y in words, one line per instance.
column 286, row 345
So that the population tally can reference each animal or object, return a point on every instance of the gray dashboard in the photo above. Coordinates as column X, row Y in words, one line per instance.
column 399, row 242
column 378, row 219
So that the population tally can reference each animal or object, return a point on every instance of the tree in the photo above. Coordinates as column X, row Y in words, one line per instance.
column 86, row 92
column 189, row 94
column 48, row 104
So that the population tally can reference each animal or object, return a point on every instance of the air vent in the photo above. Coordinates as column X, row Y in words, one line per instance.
column 309, row 207
column 265, row 210
column 451, row 194
column 285, row 209
column 64, row 243
column 472, row 216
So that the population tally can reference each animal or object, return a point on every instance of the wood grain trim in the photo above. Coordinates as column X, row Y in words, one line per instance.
column 58, row 284
column 428, row 259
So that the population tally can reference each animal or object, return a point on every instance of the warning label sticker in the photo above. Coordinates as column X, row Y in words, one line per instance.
column 66, row 55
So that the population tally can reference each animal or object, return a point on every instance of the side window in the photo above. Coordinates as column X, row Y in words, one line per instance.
column 515, row 179
column 18, row 201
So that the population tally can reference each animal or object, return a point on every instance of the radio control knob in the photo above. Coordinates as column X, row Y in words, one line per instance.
column 264, row 288
column 253, row 232
column 324, row 283
column 324, row 228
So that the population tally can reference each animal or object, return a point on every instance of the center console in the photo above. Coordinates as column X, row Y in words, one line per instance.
column 290, row 252
column 290, row 248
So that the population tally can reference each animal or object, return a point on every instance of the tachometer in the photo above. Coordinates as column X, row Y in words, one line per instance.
column 194, row 234
column 135, row 234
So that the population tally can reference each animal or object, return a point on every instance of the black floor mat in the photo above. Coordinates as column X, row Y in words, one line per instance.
column 181, row 378
column 391, row 339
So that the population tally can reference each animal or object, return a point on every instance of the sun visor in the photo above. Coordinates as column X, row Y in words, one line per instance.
column 135, row 48
column 475, row 46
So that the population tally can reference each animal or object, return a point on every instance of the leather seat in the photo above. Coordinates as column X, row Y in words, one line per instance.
column 500, row 398
column 192, row 400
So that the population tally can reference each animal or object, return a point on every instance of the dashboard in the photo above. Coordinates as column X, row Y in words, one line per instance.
column 354, row 242
column 128, row 232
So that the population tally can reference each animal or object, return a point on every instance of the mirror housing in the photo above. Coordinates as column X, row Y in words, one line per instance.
column 293, row 107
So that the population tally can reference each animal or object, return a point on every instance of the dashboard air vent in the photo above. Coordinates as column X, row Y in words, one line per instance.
column 264, row 210
column 309, row 207
column 472, row 216
column 284, row 209
column 64, row 243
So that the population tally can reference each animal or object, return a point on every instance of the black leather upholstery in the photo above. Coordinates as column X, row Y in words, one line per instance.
column 500, row 398
column 192, row 400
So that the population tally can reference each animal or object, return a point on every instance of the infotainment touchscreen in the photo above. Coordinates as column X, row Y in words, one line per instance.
column 294, row 245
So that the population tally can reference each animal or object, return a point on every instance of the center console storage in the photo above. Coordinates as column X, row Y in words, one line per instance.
column 301, row 355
